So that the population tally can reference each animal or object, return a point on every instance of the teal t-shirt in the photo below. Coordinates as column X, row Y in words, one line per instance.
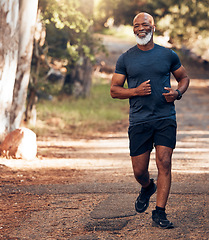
column 155, row 65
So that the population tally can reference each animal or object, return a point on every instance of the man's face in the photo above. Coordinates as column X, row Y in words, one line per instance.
column 143, row 29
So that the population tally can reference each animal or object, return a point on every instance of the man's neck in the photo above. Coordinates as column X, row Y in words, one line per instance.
column 150, row 45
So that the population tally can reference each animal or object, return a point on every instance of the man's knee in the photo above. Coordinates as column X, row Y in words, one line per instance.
column 164, row 165
column 140, row 167
column 164, row 159
column 141, row 174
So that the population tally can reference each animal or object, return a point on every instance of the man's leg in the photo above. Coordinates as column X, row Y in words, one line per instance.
column 140, row 167
column 163, row 161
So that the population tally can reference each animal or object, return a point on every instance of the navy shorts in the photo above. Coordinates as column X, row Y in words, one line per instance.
column 144, row 136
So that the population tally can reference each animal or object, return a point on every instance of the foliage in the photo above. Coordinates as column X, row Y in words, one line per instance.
column 121, row 10
column 184, row 19
column 68, row 34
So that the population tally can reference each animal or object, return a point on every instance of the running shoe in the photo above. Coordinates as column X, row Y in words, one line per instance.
column 160, row 219
column 142, row 201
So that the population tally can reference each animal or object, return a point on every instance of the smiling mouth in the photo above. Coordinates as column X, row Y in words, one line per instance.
column 141, row 34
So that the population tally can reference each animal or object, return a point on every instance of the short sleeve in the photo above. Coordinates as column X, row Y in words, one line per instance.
column 120, row 66
column 175, row 61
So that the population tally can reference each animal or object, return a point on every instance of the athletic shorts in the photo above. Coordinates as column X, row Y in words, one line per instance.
column 144, row 136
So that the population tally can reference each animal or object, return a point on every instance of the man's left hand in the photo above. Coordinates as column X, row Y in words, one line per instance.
column 171, row 95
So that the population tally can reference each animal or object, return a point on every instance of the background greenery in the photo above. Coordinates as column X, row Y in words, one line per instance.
column 82, row 117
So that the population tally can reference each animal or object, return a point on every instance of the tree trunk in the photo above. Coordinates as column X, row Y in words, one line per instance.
column 9, row 12
column 78, row 82
column 87, row 79
column 28, row 15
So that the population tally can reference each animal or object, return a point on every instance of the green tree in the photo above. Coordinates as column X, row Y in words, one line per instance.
column 69, row 38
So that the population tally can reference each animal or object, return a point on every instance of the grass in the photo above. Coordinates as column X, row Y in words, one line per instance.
column 81, row 117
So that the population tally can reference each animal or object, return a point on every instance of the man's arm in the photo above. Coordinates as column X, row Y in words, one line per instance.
column 182, row 79
column 117, row 89
column 183, row 83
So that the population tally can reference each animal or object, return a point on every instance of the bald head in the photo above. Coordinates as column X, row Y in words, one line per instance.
column 143, row 27
column 145, row 16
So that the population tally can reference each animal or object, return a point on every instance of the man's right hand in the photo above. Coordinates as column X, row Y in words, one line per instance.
column 118, row 91
column 143, row 89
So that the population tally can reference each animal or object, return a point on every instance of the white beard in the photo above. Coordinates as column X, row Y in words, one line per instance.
column 144, row 40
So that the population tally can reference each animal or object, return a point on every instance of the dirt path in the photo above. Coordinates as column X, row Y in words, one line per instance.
column 85, row 189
